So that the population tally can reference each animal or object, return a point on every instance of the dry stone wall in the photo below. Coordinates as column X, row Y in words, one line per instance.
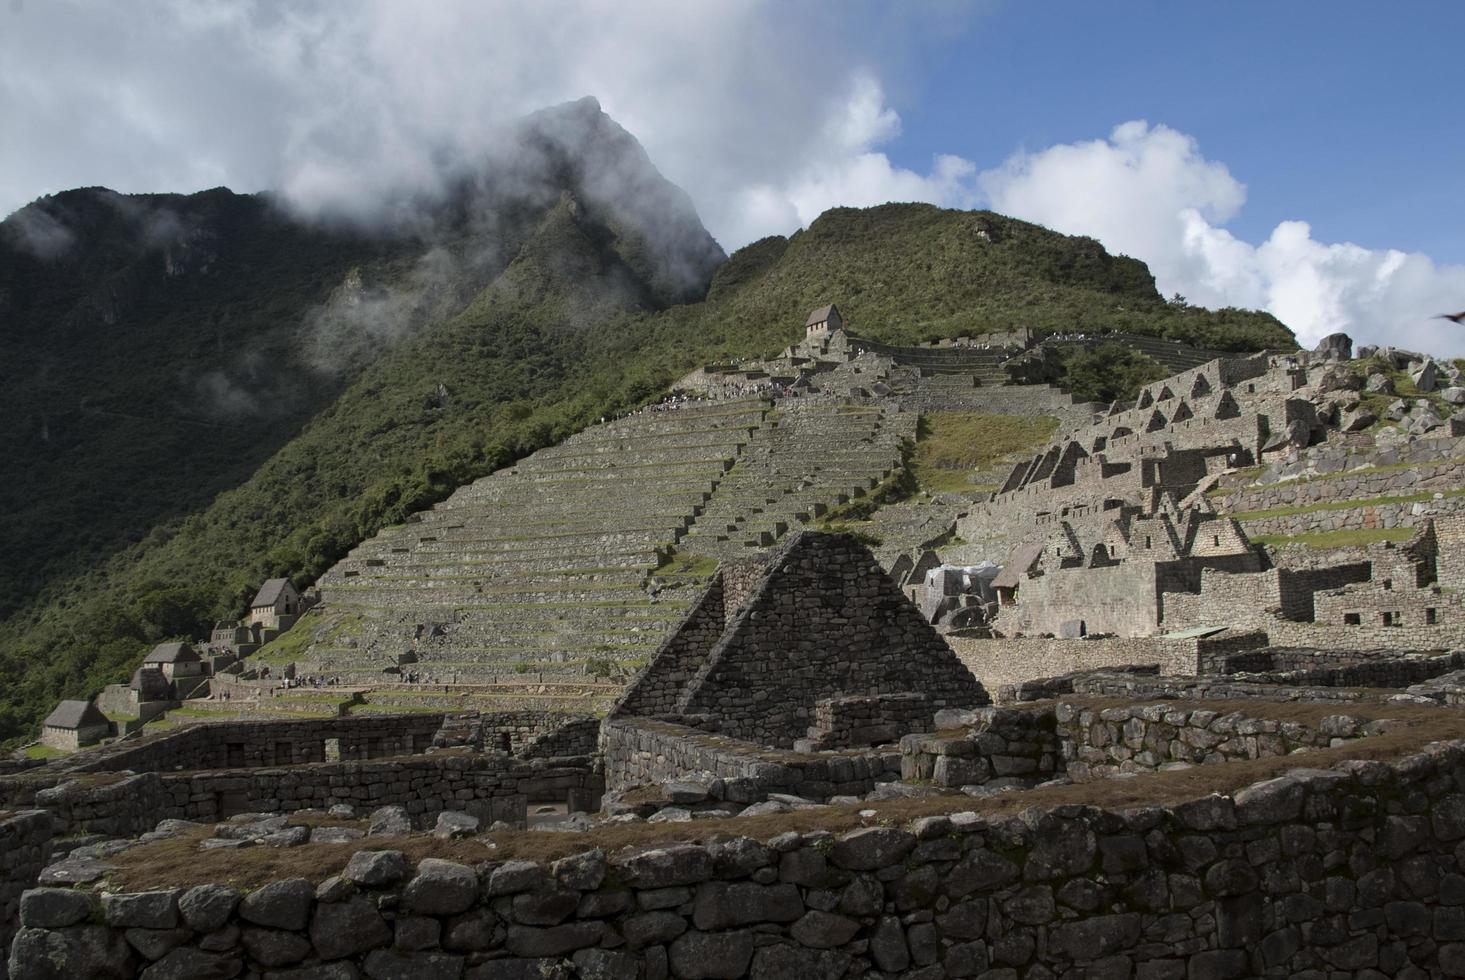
column 645, row 752
column 1003, row 665
column 1100, row 742
column 1321, row 874
column 1002, row 747
column 25, row 848
column 267, row 743
column 1384, row 515
column 489, row 786
column 1357, row 485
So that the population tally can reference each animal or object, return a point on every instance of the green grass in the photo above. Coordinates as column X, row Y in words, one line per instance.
column 292, row 644
column 39, row 751
column 686, row 565
column 952, row 446
column 1323, row 540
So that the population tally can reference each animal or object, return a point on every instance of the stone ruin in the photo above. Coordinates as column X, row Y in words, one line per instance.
column 1212, row 754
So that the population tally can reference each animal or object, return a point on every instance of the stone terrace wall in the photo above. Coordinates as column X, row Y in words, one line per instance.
column 267, row 743
column 1350, row 873
column 1100, row 742
column 1012, row 661
column 1336, row 668
column 490, row 786
column 1137, row 686
column 1358, row 485
column 1406, row 514
column 643, row 752
column 25, row 848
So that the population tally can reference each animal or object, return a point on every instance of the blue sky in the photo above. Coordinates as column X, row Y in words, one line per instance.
column 1349, row 115
column 1307, row 158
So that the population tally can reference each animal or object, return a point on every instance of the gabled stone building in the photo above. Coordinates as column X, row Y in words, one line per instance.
column 772, row 641
column 275, row 606
column 74, row 724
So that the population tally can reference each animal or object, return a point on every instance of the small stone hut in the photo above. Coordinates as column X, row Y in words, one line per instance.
column 276, row 605
column 175, row 660
column 74, row 724
column 824, row 320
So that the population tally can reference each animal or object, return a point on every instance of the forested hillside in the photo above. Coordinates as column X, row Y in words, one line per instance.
column 406, row 364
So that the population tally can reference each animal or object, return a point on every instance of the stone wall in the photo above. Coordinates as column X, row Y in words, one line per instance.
column 880, row 720
column 488, row 785
column 646, row 752
column 1099, row 742
column 1360, row 484
column 1001, row 748
column 25, row 848
column 267, row 743
column 1351, row 872
column 1401, row 514
column 1009, row 662
column 655, row 689
column 1139, row 686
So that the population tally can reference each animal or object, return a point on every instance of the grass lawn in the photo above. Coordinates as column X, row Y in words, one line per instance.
column 951, row 446
column 39, row 751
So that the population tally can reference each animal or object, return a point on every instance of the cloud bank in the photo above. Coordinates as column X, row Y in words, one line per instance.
column 1147, row 191
column 767, row 113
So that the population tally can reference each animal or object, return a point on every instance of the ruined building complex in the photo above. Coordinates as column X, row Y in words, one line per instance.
column 720, row 689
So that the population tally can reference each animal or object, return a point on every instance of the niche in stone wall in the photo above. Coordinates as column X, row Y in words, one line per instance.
column 333, row 750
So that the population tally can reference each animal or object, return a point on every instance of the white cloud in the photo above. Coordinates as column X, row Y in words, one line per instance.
column 1147, row 191
column 760, row 110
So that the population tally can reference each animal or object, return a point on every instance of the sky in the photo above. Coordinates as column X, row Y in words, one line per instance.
column 1304, row 158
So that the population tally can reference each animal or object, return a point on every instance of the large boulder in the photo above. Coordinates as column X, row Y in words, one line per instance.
column 1426, row 376
column 1379, row 384
column 1335, row 346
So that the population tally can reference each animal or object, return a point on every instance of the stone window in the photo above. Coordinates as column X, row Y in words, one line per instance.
column 1148, row 544
column 1430, row 617
column 1216, row 540
column 1391, row 618
column 1352, row 619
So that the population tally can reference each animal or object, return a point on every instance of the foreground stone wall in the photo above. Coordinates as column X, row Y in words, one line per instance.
column 25, row 847
column 644, row 752
column 1351, row 872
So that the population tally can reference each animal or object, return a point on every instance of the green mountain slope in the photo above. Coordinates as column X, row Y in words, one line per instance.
column 159, row 348
column 573, row 326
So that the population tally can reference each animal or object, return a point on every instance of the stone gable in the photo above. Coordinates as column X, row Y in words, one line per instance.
column 825, row 621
